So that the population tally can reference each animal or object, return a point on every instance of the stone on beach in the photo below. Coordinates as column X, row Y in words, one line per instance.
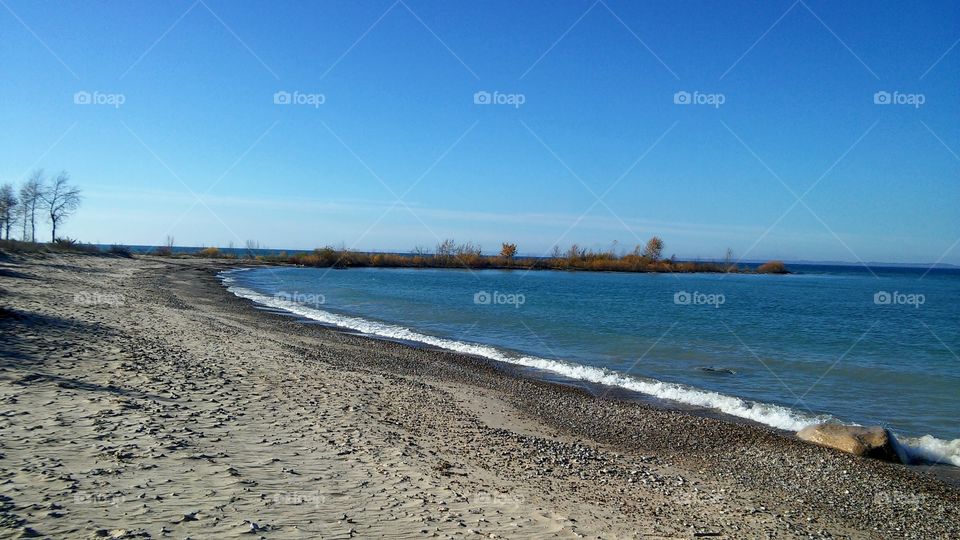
column 873, row 442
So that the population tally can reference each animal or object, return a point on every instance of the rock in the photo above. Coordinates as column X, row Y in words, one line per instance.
column 192, row 516
column 873, row 442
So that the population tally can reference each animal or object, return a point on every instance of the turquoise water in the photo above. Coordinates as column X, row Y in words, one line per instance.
column 787, row 351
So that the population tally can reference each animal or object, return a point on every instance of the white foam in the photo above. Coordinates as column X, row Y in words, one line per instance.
column 926, row 448
column 929, row 449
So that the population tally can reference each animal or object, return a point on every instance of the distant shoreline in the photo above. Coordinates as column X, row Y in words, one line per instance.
column 469, row 257
column 250, row 253
column 264, row 253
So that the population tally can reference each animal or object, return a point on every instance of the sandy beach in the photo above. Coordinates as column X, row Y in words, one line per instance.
column 142, row 400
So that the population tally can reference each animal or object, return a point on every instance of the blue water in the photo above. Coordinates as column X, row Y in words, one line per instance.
column 783, row 350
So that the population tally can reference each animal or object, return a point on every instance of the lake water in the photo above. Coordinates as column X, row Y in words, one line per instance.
column 827, row 342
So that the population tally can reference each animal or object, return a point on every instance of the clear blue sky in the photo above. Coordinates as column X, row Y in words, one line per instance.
column 598, row 119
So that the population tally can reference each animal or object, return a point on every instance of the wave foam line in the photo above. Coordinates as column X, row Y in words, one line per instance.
column 929, row 449
column 926, row 448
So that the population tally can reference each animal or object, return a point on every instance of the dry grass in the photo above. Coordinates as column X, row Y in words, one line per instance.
column 62, row 245
column 452, row 255
column 773, row 267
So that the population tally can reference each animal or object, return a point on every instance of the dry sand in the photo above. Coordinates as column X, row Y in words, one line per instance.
column 140, row 399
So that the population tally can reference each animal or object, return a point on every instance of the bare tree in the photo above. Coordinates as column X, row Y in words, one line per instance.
column 22, row 210
column 29, row 200
column 445, row 250
column 166, row 249
column 8, row 209
column 576, row 252
column 60, row 200
column 654, row 249
column 252, row 247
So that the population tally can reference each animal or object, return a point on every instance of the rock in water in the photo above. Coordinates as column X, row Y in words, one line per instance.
column 873, row 442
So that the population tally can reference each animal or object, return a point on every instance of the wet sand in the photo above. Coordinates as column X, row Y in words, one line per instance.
column 140, row 399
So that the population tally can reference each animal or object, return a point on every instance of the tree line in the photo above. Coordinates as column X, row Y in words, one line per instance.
column 647, row 257
column 51, row 199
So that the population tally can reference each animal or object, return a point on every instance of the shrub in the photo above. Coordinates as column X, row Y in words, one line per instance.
column 773, row 267
column 65, row 242
column 120, row 251
column 209, row 252
column 70, row 244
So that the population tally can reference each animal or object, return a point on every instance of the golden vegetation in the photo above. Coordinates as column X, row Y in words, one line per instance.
column 450, row 254
column 773, row 267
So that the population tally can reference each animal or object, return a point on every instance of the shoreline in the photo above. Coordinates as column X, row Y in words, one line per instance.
column 594, row 389
column 915, row 450
column 573, row 463
column 945, row 472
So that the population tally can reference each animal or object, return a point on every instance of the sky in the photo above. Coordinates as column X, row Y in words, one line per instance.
column 804, row 130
